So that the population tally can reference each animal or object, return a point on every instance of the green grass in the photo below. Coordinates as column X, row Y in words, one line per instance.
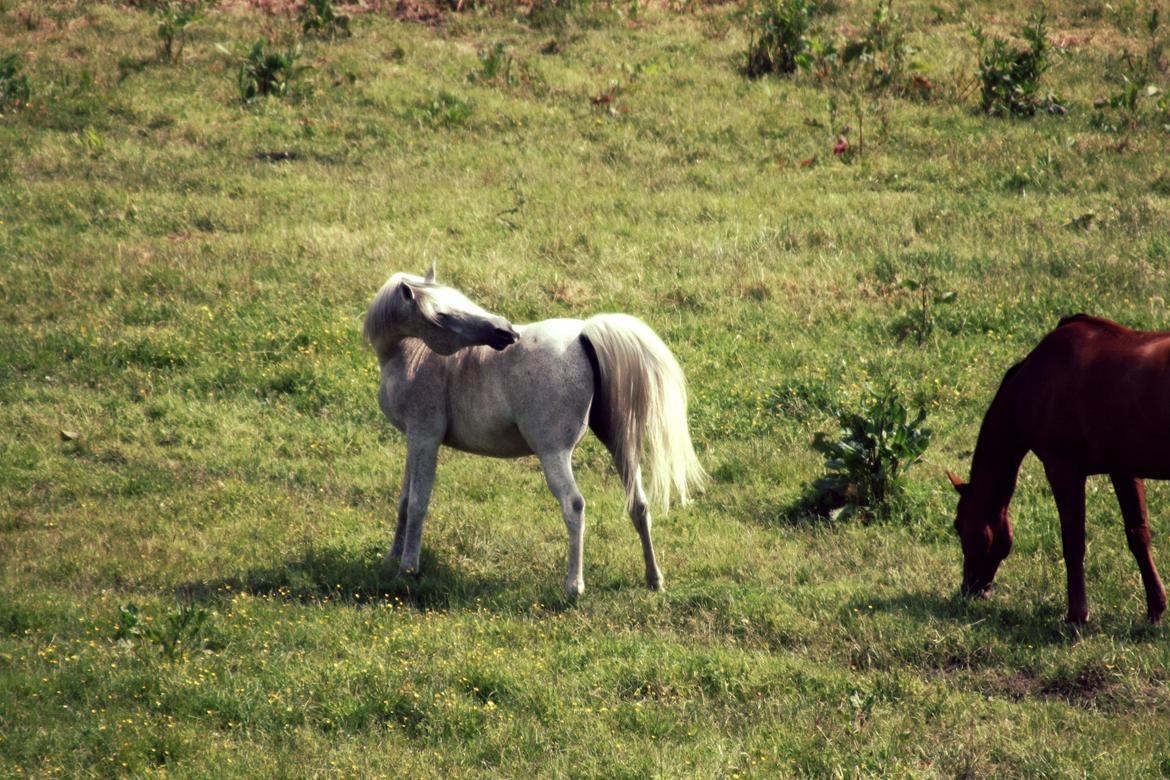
column 192, row 309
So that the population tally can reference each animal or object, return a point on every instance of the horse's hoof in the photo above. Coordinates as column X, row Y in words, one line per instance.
column 408, row 572
column 655, row 583
column 1155, row 606
column 573, row 590
column 1077, row 618
column 977, row 594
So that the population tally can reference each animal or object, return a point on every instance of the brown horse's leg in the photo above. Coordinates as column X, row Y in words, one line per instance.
column 1068, row 488
column 1131, row 494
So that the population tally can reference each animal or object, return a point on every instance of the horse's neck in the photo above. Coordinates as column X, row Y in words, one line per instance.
column 995, row 466
column 401, row 359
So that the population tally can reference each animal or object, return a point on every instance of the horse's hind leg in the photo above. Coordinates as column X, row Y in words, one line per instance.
column 640, row 515
column 1131, row 495
column 558, row 473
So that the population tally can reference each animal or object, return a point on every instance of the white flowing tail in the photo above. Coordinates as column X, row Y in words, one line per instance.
column 640, row 408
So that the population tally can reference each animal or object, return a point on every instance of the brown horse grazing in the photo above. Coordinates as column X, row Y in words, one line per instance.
column 1093, row 397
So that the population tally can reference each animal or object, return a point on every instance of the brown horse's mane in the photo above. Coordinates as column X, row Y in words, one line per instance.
column 1068, row 319
column 1089, row 319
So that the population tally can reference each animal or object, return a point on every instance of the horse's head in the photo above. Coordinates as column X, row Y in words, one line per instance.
column 986, row 535
column 442, row 317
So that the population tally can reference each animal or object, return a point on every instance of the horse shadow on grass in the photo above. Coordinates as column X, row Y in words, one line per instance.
column 347, row 577
column 1029, row 625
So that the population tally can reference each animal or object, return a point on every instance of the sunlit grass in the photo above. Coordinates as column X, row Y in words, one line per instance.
column 183, row 281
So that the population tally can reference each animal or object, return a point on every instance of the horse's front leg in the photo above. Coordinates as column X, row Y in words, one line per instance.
column 421, row 457
column 1131, row 495
column 1068, row 488
column 396, row 548
column 558, row 473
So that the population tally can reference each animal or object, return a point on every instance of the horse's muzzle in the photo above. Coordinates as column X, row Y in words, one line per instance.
column 502, row 338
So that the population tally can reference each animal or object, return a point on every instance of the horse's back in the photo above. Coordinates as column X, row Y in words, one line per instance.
column 1098, row 392
column 514, row 402
column 550, row 383
column 1090, row 344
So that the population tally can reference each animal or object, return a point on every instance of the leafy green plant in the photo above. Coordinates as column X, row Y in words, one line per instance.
column 858, row 72
column 778, row 36
column 1126, row 108
column 445, row 110
column 174, row 17
column 1123, row 110
column 881, row 49
column 922, row 286
column 1009, row 76
column 180, row 631
column 14, row 86
column 321, row 18
column 268, row 71
column 868, row 457
column 495, row 65
column 920, row 321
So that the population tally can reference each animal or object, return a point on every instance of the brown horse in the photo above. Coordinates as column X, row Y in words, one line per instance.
column 1093, row 397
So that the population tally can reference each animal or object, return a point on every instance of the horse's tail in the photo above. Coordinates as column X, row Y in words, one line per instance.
column 640, row 407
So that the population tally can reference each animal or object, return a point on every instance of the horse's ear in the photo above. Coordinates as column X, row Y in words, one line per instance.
column 430, row 278
column 407, row 291
column 958, row 484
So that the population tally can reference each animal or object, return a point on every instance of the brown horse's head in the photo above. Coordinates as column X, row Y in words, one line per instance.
column 986, row 534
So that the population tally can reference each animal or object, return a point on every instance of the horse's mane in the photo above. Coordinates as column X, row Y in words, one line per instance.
column 1069, row 319
column 1009, row 373
column 1089, row 319
column 380, row 315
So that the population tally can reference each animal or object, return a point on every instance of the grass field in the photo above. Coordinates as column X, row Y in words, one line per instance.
column 183, row 281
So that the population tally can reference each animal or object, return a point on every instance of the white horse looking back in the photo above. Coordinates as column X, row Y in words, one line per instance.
column 455, row 374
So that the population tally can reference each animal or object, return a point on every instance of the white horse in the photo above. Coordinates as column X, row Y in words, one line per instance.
column 455, row 374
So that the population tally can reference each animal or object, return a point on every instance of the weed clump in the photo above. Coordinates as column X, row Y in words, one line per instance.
column 495, row 66
column 174, row 17
column 1138, row 99
column 181, row 630
column 881, row 50
column 867, row 459
column 1009, row 75
column 778, row 37
column 321, row 18
column 268, row 71
column 444, row 110
column 15, row 91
